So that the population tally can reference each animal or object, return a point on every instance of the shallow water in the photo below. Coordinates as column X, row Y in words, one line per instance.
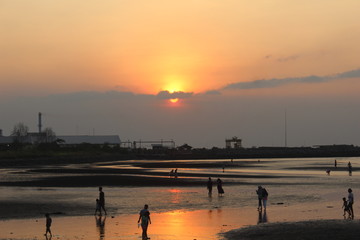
column 299, row 189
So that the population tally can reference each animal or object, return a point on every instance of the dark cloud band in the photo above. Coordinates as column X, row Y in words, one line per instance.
column 168, row 95
column 276, row 82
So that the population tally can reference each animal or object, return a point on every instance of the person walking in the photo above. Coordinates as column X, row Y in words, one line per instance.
column 102, row 200
column 144, row 217
column 48, row 225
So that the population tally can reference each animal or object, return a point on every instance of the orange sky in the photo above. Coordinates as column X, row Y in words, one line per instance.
column 234, row 65
column 193, row 46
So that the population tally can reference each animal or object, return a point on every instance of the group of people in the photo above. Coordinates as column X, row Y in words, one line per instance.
column 262, row 197
column 143, row 221
column 218, row 185
column 144, row 215
column 173, row 173
column 348, row 205
column 261, row 192
column 349, row 168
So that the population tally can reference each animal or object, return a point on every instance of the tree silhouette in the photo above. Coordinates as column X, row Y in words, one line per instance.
column 20, row 132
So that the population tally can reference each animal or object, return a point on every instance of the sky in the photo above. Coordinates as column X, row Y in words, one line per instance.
column 194, row 72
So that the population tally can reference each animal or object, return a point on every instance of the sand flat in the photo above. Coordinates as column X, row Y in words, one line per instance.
column 181, row 208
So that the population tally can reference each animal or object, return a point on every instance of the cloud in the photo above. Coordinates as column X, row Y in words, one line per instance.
column 168, row 95
column 350, row 74
column 90, row 95
column 213, row 92
column 276, row 82
column 289, row 58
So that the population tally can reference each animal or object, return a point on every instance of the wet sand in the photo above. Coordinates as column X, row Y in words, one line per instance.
column 200, row 224
column 45, row 173
column 175, row 225
column 298, row 194
column 304, row 230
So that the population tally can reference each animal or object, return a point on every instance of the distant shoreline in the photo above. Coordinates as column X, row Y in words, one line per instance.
column 96, row 155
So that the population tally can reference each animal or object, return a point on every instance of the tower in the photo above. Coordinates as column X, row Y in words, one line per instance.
column 39, row 122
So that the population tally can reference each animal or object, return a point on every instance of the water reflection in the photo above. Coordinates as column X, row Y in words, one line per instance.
column 100, row 225
column 262, row 217
column 175, row 196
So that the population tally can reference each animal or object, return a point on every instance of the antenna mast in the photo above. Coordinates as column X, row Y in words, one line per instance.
column 285, row 129
column 40, row 125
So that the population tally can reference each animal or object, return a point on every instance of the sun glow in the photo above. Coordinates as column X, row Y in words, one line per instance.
column 174, row 83
column 174, row 100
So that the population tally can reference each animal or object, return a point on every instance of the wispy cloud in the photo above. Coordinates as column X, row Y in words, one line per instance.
column 276, row 82
column 288, row 58
column 168, row 95
column 350, row 74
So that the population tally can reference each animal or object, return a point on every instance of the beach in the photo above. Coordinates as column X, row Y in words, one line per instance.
column 299, row 191
column 320, row 229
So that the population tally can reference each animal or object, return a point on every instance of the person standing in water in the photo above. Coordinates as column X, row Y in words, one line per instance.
column 265, row 195
column 209, row 186
column 259, row 193
column 350, row 168
column 219, row 187
column 144, row 217
column 102, row 200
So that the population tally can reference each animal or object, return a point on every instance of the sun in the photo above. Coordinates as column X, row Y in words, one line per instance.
column 174, row 84
column 174, row 100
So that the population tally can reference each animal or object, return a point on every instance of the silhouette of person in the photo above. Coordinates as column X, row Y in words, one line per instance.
column 335, row 163
column 345, row 206
column 102, row 200
column 219, row 187
column 265, row 195
column 144, row 217
column 350, row 168
column 171, row 173
column 48, row 225
column 100, row 224
column 259, row 193
column 351, row 202
column 176, row 173
column 209, row 186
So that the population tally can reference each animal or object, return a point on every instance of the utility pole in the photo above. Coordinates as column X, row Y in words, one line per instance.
column 285, row 129
column 39, row 122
